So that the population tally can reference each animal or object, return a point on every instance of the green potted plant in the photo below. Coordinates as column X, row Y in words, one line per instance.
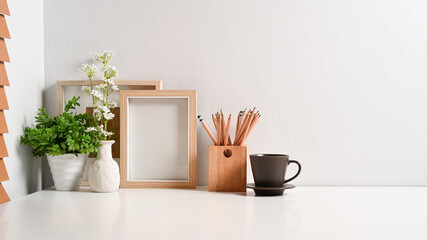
column 66, row 141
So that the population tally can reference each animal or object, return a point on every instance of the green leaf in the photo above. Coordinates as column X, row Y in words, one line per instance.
column 65, row 133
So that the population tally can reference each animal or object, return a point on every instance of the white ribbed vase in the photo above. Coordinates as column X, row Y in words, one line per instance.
column 104, row 173
column 67, row 171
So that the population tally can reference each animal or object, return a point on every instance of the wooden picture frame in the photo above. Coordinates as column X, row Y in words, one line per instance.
column 74, row 87
column 128, row 84
column 158, row 145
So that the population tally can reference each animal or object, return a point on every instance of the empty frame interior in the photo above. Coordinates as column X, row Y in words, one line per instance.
column 158, row 140
column 159, row 146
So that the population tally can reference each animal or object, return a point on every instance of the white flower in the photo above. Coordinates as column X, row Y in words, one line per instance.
column 103, row 132
column 112, row 104
column 107, row 82
column 96, row 93
column 97, row 114
column 90, row 129
column 98, row 104
column 104, row 109
column 86, row 89
column 90, row 70
column 103, row 85
column 114, row 87
column 100, row 93
column 108, row 116
column 109, row 72
column 107, row 133
column 103, row 57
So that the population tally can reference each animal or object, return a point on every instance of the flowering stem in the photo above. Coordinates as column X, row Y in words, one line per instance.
column 101, row 93
column 91, row 89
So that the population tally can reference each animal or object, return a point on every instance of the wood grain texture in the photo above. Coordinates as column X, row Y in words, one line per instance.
column 4, row 81
column 3, row 195
column 132, row 84
column 192, row 182
column 3, row 100
column 227, row 174
column 4, row 8
column 3, row 149
column 4, row 55
column 3, row 173
column 4, row 31
column 3, row 124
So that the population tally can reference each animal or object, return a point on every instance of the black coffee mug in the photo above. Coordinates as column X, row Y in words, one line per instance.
column 269, row 169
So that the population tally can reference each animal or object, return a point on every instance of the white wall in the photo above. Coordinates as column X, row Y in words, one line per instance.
column 341, row 84
column 26, row 76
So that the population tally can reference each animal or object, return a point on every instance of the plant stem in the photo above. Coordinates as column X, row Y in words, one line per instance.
column 91, row 89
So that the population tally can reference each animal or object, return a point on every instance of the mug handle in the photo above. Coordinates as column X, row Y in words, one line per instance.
column 296, row 175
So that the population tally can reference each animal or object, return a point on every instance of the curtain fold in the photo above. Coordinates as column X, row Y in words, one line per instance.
column 3, row 124
column 4, row 31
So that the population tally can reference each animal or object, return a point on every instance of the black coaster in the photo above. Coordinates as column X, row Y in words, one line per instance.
column 269, row 191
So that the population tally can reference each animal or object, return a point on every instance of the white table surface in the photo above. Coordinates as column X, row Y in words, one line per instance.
column 302, row 213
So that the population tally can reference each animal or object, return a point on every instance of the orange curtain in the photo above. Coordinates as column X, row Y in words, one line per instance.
column 4, row 81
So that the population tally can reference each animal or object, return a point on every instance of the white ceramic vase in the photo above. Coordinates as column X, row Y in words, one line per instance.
column 67, row 171
column 104, row 173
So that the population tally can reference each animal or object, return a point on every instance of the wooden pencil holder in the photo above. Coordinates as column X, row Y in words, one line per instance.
column 227, row 168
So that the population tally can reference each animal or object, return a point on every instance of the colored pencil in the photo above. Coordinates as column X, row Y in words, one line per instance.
column 251, row 128
column 219, row 133
column 248, row 124
column 245, row 123
column 227, row 130
column 207, row 129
